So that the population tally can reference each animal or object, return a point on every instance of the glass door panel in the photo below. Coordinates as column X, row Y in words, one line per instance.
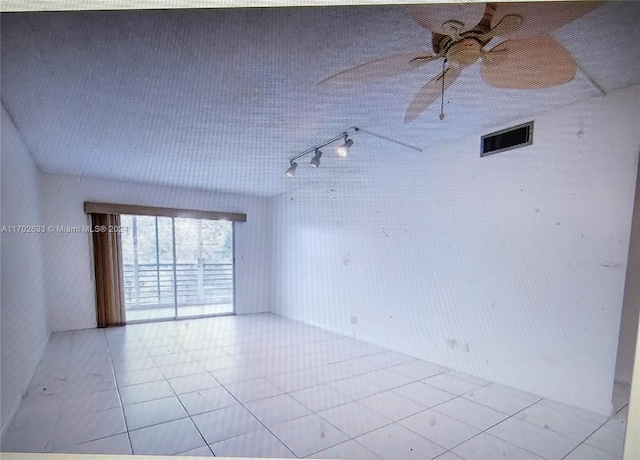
column 147, row 255
column 217, row 253
column 204, row 267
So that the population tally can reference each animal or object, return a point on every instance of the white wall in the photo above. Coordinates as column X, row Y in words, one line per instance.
column 632, row 440
column 24, row 327
column 68, row 262
column 509, row 267
column 631, row 300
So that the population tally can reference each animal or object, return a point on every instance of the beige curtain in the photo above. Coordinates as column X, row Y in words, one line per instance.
column 107, row 258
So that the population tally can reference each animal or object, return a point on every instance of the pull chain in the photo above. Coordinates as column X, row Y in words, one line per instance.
column 442, row 98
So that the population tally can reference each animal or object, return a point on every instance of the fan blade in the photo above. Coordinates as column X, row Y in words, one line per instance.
column 430, row 92
column 435, row 17
column 507, row 25
column 541, row 18
column 384, row 67
column 531, row 63
column 494, row 56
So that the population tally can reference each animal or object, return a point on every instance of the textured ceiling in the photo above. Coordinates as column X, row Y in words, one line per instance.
column 221, row 99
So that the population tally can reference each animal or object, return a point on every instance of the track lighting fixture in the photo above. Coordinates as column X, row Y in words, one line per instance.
column 292, row 169
column 342, row 151
column 315, row 161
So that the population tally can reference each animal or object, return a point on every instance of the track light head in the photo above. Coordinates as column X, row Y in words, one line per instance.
column 315, row 161
column 292, row 169
column 343, row 150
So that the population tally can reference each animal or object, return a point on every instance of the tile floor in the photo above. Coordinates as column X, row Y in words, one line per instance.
column 265, row 386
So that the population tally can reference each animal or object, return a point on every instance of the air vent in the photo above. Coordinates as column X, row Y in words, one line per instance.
column 507, row 139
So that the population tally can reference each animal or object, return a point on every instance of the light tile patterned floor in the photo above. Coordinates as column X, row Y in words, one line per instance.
column 265, row 386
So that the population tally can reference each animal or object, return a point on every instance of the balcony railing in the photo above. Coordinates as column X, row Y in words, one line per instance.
column 152, row 285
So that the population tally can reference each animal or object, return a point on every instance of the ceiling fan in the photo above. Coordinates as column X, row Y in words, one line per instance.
column 529, row 58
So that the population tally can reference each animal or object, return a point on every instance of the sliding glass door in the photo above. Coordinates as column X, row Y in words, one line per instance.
column 177, row 267
column 204, row 267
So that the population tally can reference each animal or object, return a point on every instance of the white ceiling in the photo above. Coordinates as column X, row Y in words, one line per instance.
column 221, row 99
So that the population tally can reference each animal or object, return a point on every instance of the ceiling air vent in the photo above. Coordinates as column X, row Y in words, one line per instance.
column 507, row 139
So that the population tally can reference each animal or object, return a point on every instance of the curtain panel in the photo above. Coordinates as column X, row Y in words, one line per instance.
column 107, row 259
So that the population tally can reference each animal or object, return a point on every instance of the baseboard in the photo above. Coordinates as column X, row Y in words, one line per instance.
column 238, row 313
column 23, row 389
column 12, row 414
column 314, row 324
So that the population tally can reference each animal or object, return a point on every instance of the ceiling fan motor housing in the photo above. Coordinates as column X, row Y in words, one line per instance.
column 465, row 52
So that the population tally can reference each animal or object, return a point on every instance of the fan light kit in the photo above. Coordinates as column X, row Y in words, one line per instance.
column 529, row 59
column 342, row 150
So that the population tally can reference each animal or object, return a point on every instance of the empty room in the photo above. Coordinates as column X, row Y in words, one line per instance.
column 340, row 231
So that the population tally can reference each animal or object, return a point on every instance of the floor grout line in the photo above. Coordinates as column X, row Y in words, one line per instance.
column 594, row 431
column 189, row 416
column 254, row 416
column 115, row 381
